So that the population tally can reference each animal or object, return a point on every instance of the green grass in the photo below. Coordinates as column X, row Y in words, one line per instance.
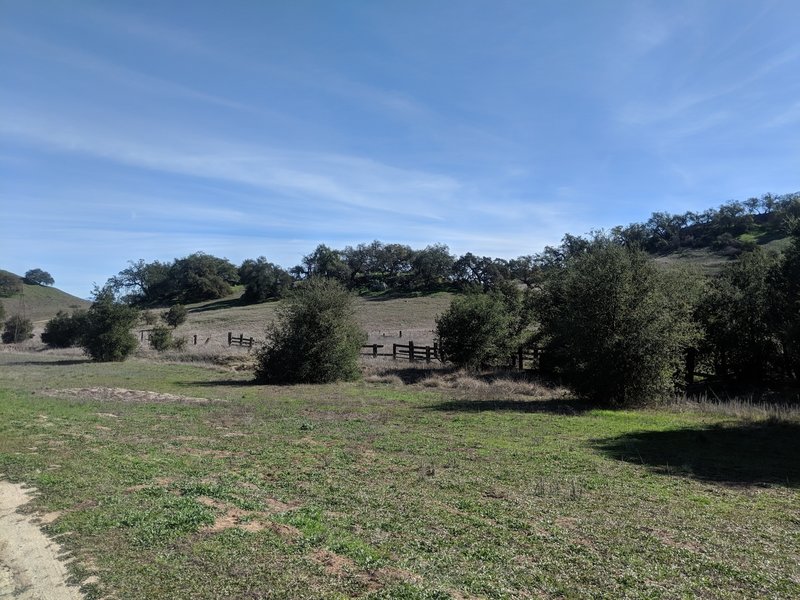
column 391, row 491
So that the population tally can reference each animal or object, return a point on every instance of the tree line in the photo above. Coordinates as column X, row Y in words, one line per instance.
column 377, row 266
column 720, row 228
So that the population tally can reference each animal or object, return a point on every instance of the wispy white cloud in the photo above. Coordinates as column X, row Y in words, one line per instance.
column 347, row 180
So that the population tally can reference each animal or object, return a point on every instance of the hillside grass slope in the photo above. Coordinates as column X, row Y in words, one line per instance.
column 40, row 303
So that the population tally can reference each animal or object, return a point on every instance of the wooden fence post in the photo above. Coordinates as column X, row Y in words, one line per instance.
column 521, row 358
column 374, row 350
column 410, row 350
column 195, row 340
column 435, row 350
column 230, row 337
column 427, row 354
column 394, row 351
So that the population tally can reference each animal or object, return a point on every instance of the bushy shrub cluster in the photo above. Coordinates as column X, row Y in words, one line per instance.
column 751, row 316
column 483, row 329
column 617, row 327
column 107, row 336
column 316, row 338
column 17, row 329
column 161, row 339
column 176, row 315
column 65, row 330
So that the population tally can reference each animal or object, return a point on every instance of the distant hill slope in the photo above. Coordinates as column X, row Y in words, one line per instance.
column 40, row 303
column 711, row 261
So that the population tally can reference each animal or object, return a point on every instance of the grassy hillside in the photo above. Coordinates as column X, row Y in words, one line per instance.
column 710, row 261
column 40, row 303
column 383, row 318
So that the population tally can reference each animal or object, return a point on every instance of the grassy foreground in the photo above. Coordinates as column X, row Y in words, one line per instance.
column 201, row 485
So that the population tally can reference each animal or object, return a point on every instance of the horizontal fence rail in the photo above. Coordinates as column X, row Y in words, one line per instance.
column 240, row 340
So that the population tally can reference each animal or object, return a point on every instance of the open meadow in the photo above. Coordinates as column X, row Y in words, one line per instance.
column 180, row 481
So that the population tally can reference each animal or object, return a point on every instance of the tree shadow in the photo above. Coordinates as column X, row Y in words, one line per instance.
column 222, row 304
column 412, row 375
column 555, row 406
column 764, row 452
column 402, row 294
column 219, row 383
column 54, row 363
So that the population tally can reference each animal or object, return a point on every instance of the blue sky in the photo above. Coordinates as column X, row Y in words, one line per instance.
column 156, row 129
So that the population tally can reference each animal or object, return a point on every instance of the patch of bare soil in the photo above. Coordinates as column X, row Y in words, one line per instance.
column 334, row 564
column 337, row 565
column 124, row 395
column 29, row 564
column 232, row 516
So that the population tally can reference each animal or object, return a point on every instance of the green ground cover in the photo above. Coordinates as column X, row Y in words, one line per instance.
column 383, row 490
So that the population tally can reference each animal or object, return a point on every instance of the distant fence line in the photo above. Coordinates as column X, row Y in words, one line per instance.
column 523, row 359
column 233, row 340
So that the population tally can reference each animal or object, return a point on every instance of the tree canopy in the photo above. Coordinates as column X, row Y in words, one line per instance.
column 38, row 277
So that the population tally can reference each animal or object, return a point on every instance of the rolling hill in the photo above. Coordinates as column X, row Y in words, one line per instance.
column 40, row 303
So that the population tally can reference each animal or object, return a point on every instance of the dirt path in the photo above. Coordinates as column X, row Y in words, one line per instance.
column 29, row 564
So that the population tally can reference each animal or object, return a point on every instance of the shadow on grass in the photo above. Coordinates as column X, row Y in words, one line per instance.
column 556, row 406
column 412, row 375
column 402, row 295
column 220, row 383
column 766, row 452
column 223, row 304
column 51, row 363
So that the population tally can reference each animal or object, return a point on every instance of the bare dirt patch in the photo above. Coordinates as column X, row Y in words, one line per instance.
column 334, row 564
column 125, row 395
column 29, row 564
column 231, row 516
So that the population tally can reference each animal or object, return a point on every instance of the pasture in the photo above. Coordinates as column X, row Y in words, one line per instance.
column 179, row 481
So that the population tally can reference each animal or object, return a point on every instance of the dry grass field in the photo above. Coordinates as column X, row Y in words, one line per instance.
column 386, row 320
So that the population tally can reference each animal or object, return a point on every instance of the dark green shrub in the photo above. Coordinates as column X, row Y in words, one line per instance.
column 107, row 335
column 784, row 282
column 64, row 330
column 17, row 329
column 618, row 327
column 161, row 338
column 735, row 317
column 176, row 315
column 316, row 338
column 476, row 330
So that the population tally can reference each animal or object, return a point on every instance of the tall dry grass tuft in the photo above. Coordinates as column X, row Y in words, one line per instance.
column 494, row 384
column 490, row 385
column 745, row 408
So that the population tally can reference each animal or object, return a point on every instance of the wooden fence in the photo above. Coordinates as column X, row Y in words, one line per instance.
column 240, row 340
column 410, row 352
column 529, row 359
